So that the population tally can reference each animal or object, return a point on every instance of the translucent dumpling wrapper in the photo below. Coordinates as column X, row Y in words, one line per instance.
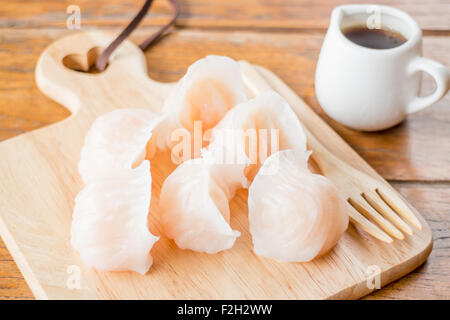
column 294, row 215
column 194, row 202
column 195, row 209
column 211, row 86
column 109, row 222
column 254, row 130
column 118, row 140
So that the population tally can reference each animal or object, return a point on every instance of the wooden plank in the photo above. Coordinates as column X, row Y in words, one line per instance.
column 427, row 282
column 431, row 15
column 409, row 151
column 12, row 284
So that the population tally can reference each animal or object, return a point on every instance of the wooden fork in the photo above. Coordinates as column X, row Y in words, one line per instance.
column 372, row 204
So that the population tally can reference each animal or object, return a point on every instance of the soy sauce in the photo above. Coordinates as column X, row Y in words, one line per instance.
column 374, row 38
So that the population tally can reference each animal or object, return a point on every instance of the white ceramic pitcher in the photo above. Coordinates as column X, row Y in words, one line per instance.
column 374, row 89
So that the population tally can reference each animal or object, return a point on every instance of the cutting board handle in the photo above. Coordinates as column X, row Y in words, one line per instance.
column 125, row 74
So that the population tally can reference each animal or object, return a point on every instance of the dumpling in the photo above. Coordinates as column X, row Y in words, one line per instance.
column 294, row 215
column 117, row 140
column 109, row 222
column 254, row 130
column 211, row 86
column 195, row 209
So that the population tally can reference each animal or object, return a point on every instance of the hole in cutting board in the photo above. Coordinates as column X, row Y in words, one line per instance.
column 83, row 63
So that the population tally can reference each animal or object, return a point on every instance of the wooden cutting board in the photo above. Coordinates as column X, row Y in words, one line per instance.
column 39, row 180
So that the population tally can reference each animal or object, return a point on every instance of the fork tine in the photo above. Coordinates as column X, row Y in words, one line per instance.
column 365, row 209
column 399, row 206
column 367, row 226
column 379, row 205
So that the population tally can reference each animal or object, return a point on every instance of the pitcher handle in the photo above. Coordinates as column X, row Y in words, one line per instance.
column 440, row 74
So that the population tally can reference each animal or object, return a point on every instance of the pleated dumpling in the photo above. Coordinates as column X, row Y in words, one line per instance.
column 294, row 215
column 195, row 211
column 117, row 140
column 109, row 221
column 211, row 86
column 254, row 130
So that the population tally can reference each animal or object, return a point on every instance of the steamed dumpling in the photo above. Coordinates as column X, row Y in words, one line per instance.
column 109, row 222
column 294, row 215
column 254, row 130
column 195, row 211
column 117, row 140
column 211, row 86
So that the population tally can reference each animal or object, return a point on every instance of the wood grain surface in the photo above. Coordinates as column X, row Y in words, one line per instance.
column 286, row 38
column 280, row 14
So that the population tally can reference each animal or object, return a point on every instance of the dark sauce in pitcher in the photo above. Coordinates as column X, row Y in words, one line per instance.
column 374, row 38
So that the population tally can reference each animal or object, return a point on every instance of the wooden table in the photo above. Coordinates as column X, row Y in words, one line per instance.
column 284, row 36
